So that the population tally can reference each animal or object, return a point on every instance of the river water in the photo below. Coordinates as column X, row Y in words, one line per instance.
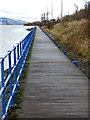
column 10, row 35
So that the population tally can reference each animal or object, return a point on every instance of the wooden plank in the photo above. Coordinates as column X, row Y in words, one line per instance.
column 54, row 87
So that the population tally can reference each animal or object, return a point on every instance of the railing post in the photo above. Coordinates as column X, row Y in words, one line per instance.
column 15, row 73
column 9, row 58
column 18, row 60
column 11, row 87
column 21, row 54
column 2, row 86
column 22, row 45
column 21, row 51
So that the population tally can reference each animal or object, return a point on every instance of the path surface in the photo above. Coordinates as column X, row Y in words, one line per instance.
column 54, row 87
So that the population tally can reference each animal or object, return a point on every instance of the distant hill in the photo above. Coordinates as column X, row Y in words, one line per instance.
column 8, row 21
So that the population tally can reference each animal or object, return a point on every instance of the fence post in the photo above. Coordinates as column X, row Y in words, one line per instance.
column 15, row 73
column 9, row 58
column 18, row 60
column 21, row 54
column 2, row 86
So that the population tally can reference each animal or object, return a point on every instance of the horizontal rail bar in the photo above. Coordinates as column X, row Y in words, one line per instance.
column 21, row 50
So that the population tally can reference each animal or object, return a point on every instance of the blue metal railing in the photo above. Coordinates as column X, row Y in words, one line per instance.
column 46, row 34
column 20, row 53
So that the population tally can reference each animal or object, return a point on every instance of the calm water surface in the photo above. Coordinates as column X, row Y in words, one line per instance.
column 10, row 35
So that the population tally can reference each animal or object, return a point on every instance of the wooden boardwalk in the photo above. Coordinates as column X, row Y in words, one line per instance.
column 54, row 87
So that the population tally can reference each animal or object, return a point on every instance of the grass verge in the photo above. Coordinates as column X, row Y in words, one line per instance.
column 72, row 37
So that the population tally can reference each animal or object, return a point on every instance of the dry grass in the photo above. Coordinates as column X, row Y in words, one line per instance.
column 75, row 34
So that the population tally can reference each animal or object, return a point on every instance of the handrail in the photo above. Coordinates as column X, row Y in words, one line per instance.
column 46, row 34
column 20, row 53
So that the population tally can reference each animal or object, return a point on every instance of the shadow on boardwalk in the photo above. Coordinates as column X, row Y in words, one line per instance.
column 54, row 87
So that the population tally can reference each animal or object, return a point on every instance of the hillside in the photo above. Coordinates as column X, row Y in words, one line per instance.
column 73, row 38
column 8, row 21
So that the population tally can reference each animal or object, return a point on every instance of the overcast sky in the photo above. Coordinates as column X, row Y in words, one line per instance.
column 31, row 10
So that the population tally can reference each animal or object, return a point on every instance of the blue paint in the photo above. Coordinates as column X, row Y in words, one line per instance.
column 64, row 52
column 18, row 60
column 47, row 34
column 3, row 87
column 20, row 53
column 55, row 43
column 75, row 63
column 58, row 46
column 9, row 59
column 15, row 72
